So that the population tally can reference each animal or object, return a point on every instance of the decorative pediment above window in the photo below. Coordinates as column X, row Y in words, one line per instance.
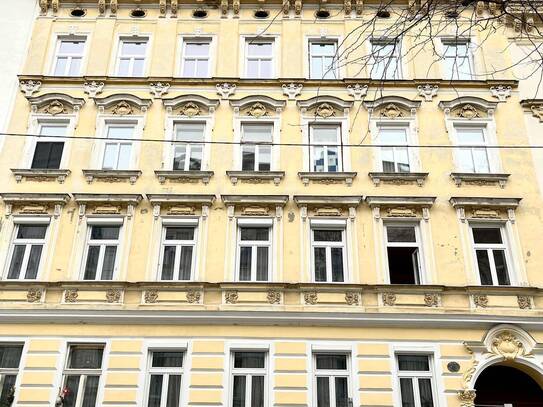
column 257, row 106
column 34, row 203
column 392, row 107
column 180, row 204
column 534, row 106
column 107, row 204
column 485, row 208
column 122, row 104
column 469, row 108
column 401, row 206
column 190, row 105
column 328, row 206
column 255, row 205
column 55, row 104
column 325, row 106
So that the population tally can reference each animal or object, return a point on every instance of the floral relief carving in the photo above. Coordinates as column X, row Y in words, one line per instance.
column 225, row 90
column 151, row 296
column 159, row 89
column 34, row 295
column 190, row 109
column 524, row 302
column 401, row 212
column 292, row 90
column 54, row 108
column 467, row 397
column 93, row 88
column 431, row 300
column 113, row 295
column 391, row 111
column 325, row 110
column 258, row 110
column 468, row 112
column 389, row 299
column 255, row 211
column 122, row 109
column 537, row 112
column 274, row 297
column 507, row 345
column 311, row 297
column 352, row 298
column 501, row 92
column 29, row 87
column 328, row 211
column 231, row 297
column 427, row 91
column 71, row 295
column 480, row 300
column 357, row 91
column 194, row 296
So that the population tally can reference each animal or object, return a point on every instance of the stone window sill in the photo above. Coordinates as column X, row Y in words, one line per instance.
column 327, row 177
column 179, row 176
column 112, row 175
column 467, row 178
column 255, row 177
column 398, row 178
column 39, row 175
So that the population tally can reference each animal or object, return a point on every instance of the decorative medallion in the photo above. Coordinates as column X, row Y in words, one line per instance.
column 159, row 89
column 122, row 109
column 507, row 346
column 537, row 111
column 34, row 295
column 357, row 91
column 524, row 302
column 352, row 298
column 453, row 367
column 274, row 297
column 257, row 110
column 193, row 296
column 389, row 299
column 54, row 108
column 391, row 111
column 431, row 300
column 480, row 300
column 292, row 90
column 71, row 295
column 113, row 295
column 325, row 110
column 190, row 109
column 231, row 297
column 29, row 87
column 225, row 90
column 468, row 112
column 93, row 88
column 151, row 296
column 427, row 91
column 501, row 92
column 311, row 297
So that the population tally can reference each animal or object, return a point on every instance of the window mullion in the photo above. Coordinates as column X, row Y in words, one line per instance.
column 81, row 390
column 100, row 264
column 493, row 272
column 176, row 261
column 332, row 384
column 248, row 388
column 254, row 251
column 164, row 390
column 24, row 264
column 329, row 263
column 416, row 393
column 188, row 154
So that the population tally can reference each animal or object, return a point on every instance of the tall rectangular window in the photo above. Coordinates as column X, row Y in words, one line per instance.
column 322, row 60
column 48, row 152
column 254, row 247
column 403, row 253
column 472, row 154
column 394, row 158
column 328, row 247
column 101, row 252
column 26, row 251
column 385, row 60
column 249, row 379
column 164, row 382
column 10, row 358
column 196, row 58
column 82, row 375
column 415, row 377
column 178, row 252
column 259, row 58
column 457, row 60
column 332, row 380
column 256, row 147
column 131, row 59
column 118, row 147
column 187, row 150
column 69, row 56
column 325, row 148
column 491, row 253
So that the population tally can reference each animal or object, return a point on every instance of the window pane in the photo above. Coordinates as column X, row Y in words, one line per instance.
column 245, row 263
column 185, row 263
column 53, row 130
column 483, row 263
column 60, row 66
column 317, row 68
column 109, row 262
column 189, row 68
column 179, row 233
column 255, row 234
column 261, row 133
column 402, row 159
column 320, row 263
column 238, row 395
column 392, row 136
column 189, row 132
column 404, row 234
column 202, row 68
column 85, row 358
column 111, row 152
column 248, row 158
column 403, row 265
column 71, row 47
column 325, row 134
column 337, row 264
column 465, row 160
column 137, row 69
column 501, row 267
column 326, row 235
column 124, row 156
column 331, row 362
column 196, row 154
column 425, row 390
column 168, row 263
column 249, row 360
column 167, row 359
column 7, row 389
column 323, row 392
column 259, row 49
column 179, row 157
column 480, row 158
column 419, row 363
column 262, row 264
column 155, row 390
column 174, row 391
column 72, row 384
column 333, row 159
column 10, row 356
column 318, row 159
column 120, row 132
column 470, row 136
column 75, row 67
column 133, row 48
column 47, row 155
column 387, row 158
column 124, row 67
column 487, row 235
column 200, row 49
column 33, row 262
column 91, row 391
column 342, row 393
column 16, row 261
column 252, row 69
column 264, row 159
column 105, row 232
column 406, row 388
column 257, row 391
column 92, row 263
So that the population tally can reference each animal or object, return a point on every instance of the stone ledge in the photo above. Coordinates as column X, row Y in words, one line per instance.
column 183, row 176
column 327, row 177
column 39, row 174
column 398, row 178
column 112, row 175
column 256, row 177
column 460, row 178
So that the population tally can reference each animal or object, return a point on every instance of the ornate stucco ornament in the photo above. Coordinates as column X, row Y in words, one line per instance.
column 159, row 89
column 468, row 112
column 357, row 91
column 150, row 296
column 537, row 111
column 34, row 295
column 480, row 300
column 113, row 295
column 71, row 295
column 257, row 110
column 428, row 91
column 524, row 302
column 391, row 111
column 162, row 7
column 29, row 87
column 352, row 298
column 225, row 90
column 507, row 346
column 347, row 6
column 467, row 397
column 273, row 297
column 389, row 299
column 431, row 300
column 231, row 297
column 102, row 6
column 190, row 109
column 311, row 297
column 114, row 6
column 501, row 92
column 44, row 6
column 325, row 110
column 193, row 296
column 54, row 108
column 93, row 88
column 122, row 109
column 292, row 90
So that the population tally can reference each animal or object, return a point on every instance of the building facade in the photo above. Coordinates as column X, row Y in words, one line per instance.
column 202, row 207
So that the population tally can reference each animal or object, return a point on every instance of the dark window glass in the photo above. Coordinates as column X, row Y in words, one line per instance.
column 331, row 362
column 85, row 357
column 501, row 267
column 257, row 391
column 483, row 264
column 168, row 262
column 342, row 394
column 323, row 392
column 487, row 235
column 239, row 391
column 326, row 235
column 245, row 263
column 249, row 360
column 91, row 391
column 408, row 396
column 179, row 233
column 33, row 262
column 109, row 262
column 155, row 390
column 337, row 265
column 105, row 232
column 262, row 264
column 6, row 391
column 185, row 263
column 425, row 391
column 174, row 391
column 16, row 261
column 31, row 231
column 258, row 234
column 10, row 356
column 403, row 265
column 92, row 263
column 47, row 155
column 72, row 384
column 418, row 363
column 320, row 263
column 401, row 234
column 167, row 359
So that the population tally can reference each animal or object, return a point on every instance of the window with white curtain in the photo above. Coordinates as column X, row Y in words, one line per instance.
column 403, row 248
column 26, row 251
column 48, row 149
column 416, row 380
column 10, row 358
column 196, row 58
column 131, row 59
column 118, row 146
column 164, row 378
column 491, row 254
column 249, row 379
column 394, row 150
column 82, row 375
column 259, row 59
column 256, row 146
column 322, row 59
column 329, row 254
column 457, row 60
column 101, row 255
column 385, row 59
column 69, row 56
column 331, row 376
column 187, row 150
column 325, row 148
column 472, row 153
column 178, row 252
column 254, row 251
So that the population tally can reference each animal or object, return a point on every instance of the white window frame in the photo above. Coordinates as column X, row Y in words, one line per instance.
column 415, row 375
column 274, row 57
column 452, row 41
column 332, row 374
column 419, row 244
column 257, row 223
column 188, row 222
column 165, row 372
column 188, row 151
column 331, row 224
column 339, row 144
column 505, row 246
column 183, row 57
column 257, row 145
column 249, row 373
column 310, row 56
column 411, row 154
column 92, row 222
column 74, row 37
column 400, row 72
column 484, row 145
column 45, row 221
column 12, row 371
column 118, row 143
column 132, row 38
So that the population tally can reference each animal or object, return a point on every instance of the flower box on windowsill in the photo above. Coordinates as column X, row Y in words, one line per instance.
column 183, row 176
column 398, row 178
column 37, row 174
column 327, row 177
column 112, row 175
column 256, row 177
column 479, row 179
